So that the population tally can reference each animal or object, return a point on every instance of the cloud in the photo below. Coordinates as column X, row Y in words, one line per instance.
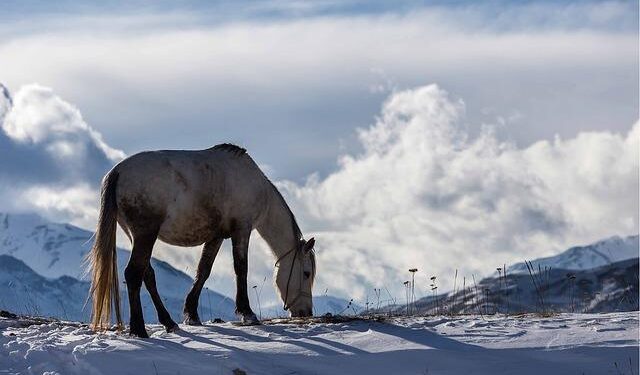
column 52, row 160
column 425, row 193
column 303, row 83
column 37, row 116
column 428, row 182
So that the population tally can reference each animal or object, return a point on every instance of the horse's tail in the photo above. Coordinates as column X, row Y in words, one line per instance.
column 102, row 259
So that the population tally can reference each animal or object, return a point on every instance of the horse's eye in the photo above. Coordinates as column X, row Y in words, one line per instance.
column 307, row 274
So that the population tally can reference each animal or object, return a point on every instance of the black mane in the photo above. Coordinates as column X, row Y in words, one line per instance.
column 228, row 147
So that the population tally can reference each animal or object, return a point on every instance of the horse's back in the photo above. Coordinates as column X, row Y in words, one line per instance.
column 191, row 195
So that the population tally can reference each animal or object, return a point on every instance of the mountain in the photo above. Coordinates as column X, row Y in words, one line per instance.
column 598, row 254
column 23, row 291
column 610, row 288
column 601, row 277
column 43, row 268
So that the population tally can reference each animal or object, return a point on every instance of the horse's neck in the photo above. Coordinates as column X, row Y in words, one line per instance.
column 278, row 227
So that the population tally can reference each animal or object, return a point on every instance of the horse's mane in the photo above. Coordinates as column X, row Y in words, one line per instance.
column 239, row 151
column 228, row 147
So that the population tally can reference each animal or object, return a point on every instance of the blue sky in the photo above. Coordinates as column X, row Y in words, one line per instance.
column 325, row 96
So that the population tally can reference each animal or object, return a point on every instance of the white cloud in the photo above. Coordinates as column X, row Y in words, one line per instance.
column 432, row 185
column 425, row 193
column 179, row 82
column 52, row 161
column 76, row 203
column 40, row 117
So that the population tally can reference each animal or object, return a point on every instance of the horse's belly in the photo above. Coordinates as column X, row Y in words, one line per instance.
column 193, row 229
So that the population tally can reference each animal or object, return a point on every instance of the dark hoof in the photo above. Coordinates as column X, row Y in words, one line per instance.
column 249, row 319
column 192, row 322
column 141, row 333
column 168, row 323
column 172, row 327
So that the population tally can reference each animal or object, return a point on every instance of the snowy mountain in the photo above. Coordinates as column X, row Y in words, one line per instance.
column 609, row 288
column 601, row 277
column 25, row 292
column 598, row 254
column 42, row 259
column 42, row 269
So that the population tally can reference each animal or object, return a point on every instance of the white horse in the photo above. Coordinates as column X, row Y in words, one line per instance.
column 189, row 198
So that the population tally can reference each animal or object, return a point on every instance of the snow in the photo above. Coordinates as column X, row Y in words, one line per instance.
column 50, row 249
column 561, row 344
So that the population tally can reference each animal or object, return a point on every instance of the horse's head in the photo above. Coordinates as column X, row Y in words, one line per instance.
column 294, row 278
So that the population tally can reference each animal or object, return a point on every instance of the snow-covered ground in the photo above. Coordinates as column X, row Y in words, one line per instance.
column 562, row 344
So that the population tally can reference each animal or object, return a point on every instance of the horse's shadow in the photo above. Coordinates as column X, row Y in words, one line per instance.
column 378, row 347
column 311, row 340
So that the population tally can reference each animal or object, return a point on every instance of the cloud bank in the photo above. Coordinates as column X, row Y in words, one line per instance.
column 300, row 85
column 424, row 193
column 428, row 185
column 52, row 160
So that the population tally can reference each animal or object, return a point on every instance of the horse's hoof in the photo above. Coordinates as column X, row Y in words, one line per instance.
column 139, row 333
column 249, row 319
column 192, row 322
column 172, row 328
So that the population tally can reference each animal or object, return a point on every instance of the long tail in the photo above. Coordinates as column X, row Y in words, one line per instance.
column 102, row 260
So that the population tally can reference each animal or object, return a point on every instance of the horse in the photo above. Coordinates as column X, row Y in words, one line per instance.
column 191, row 198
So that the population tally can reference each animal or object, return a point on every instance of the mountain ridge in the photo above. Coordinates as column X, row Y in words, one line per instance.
column 53, row 251
column 599, row 253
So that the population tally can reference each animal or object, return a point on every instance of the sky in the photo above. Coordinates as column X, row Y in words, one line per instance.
column 439, row 135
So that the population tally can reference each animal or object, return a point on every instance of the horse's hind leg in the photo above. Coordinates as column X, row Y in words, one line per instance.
column 163, row 315
column 209, row 253
column 240, row 239
column 134, row 274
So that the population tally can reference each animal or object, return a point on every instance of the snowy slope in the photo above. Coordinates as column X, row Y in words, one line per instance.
column 606, row 280
column 584, row 257
column 609, row 288
column 50, row 249
column 57, row 250
column 25, row 292
column 563, row 344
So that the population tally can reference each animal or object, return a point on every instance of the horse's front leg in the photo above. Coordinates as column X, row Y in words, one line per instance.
column 209, row 253
column 240, row 242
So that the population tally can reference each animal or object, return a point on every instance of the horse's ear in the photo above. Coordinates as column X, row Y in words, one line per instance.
column 308, row 246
